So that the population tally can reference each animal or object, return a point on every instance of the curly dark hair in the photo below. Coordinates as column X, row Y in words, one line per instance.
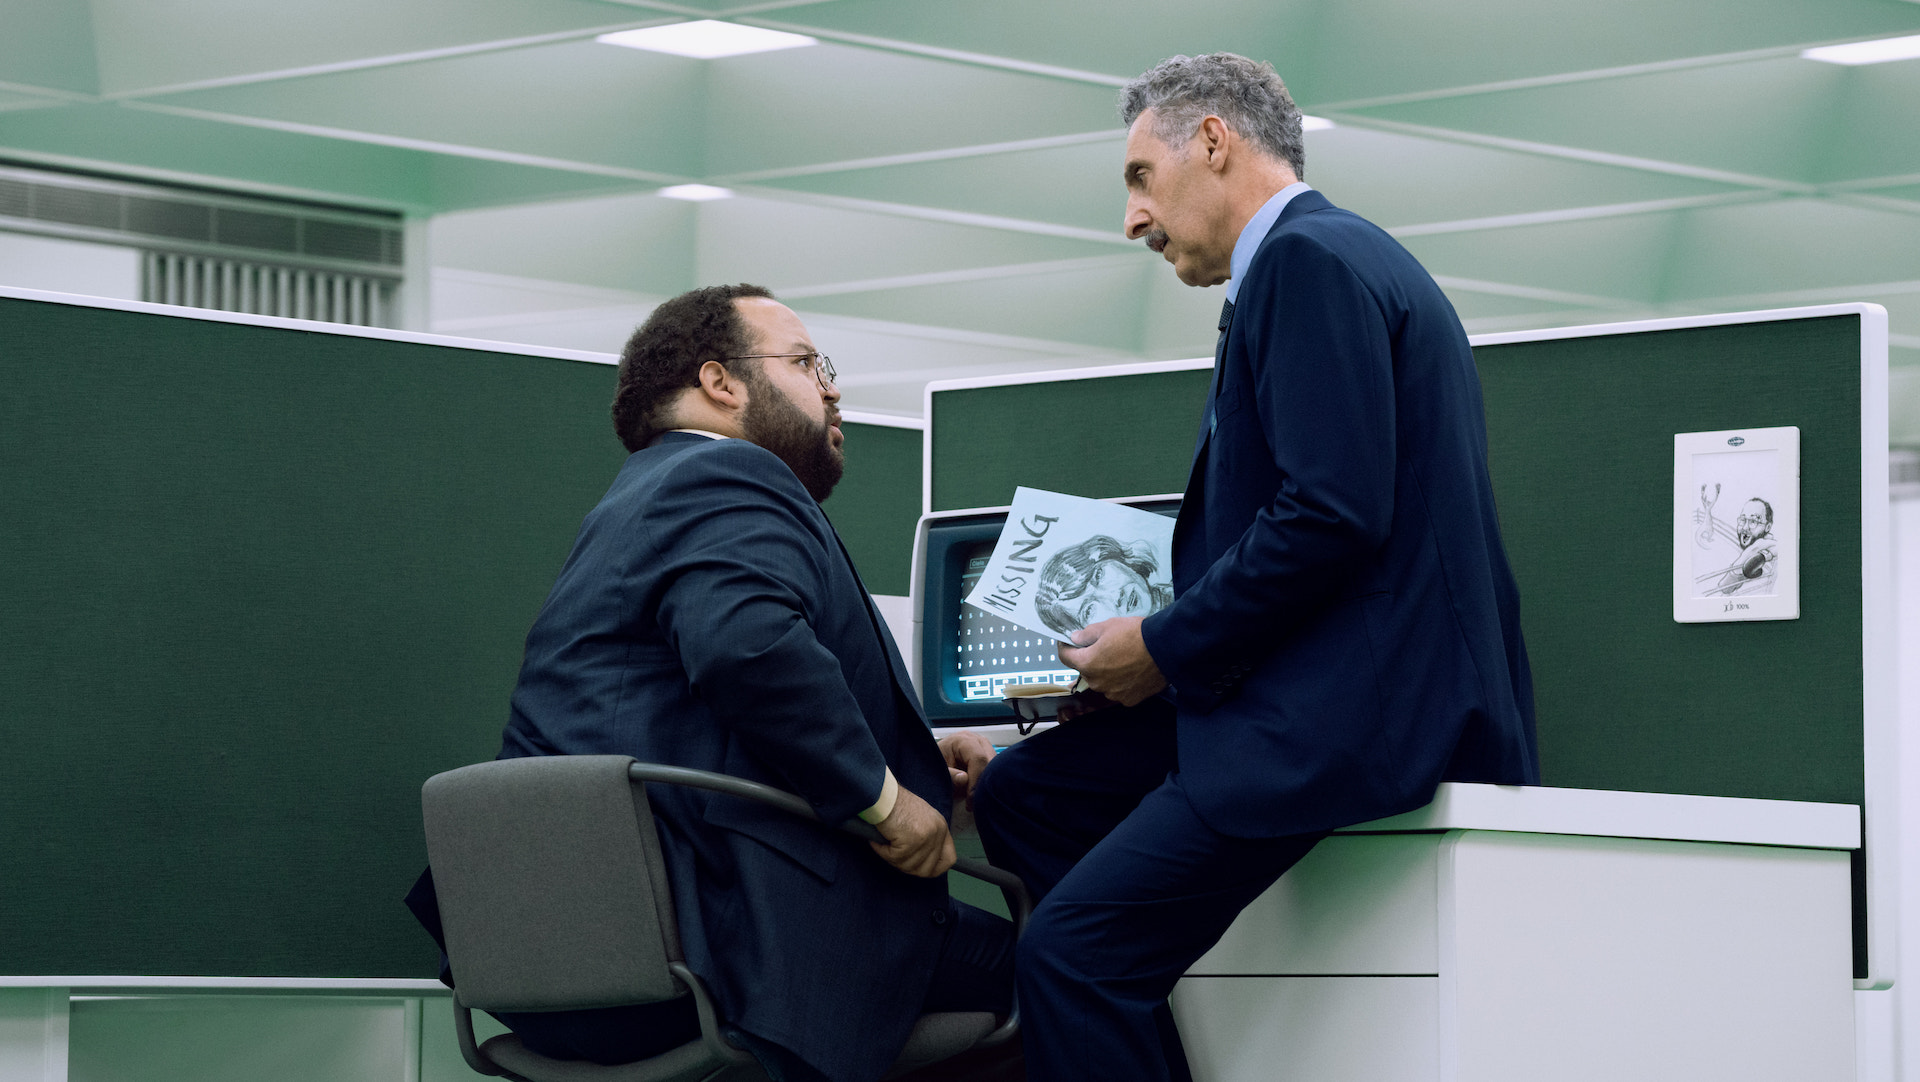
column 664, row 356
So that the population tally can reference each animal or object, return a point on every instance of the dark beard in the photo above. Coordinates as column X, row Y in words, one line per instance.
column 804, row 445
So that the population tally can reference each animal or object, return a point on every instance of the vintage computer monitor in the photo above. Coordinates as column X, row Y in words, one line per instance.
column 963, row 657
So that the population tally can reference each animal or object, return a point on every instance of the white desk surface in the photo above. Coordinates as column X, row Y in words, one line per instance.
column 1534, row 809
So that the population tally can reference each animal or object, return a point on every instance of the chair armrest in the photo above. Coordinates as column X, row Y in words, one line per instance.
column 1019, row 901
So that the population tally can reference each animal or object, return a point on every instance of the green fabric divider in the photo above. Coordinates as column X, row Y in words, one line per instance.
column 1126, row 435
column 259, row 585
column 877, row 503
column 1580, row 439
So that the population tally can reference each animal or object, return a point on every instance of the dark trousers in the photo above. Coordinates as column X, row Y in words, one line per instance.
column 1093, row 814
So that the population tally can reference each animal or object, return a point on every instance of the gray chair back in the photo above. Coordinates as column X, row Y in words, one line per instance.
column 553, row 894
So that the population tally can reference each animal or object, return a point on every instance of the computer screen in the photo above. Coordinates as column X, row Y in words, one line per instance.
column 968, row 656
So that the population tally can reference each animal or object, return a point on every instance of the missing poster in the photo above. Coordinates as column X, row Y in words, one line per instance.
column 1063, row 562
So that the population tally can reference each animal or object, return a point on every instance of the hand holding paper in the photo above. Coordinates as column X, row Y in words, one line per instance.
column 1115, row 661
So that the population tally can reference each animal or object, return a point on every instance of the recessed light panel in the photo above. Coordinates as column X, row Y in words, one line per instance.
column 695, row 193
column 706, row 39
column 1315, row 123
column 1868, row 52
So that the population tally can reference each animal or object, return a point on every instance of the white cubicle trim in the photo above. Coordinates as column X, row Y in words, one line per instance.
column 352, row 986
column 1540, row 809
column 1140, row 368
column 1880, row 734
column 346, row 330
column 884, row 420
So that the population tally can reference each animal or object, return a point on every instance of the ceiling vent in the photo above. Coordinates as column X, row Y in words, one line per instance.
column 199, row 223
column 1904, row 466
column 212, row 250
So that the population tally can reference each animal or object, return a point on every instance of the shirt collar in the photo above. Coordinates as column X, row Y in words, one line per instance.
column 1256, row 231
column 700, row 432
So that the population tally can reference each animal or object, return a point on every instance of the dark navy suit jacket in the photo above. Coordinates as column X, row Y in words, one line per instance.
column 708, row 617
column 1346, row 631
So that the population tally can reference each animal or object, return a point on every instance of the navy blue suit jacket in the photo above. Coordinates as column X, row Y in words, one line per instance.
column 708, row 617
column 1346, row 631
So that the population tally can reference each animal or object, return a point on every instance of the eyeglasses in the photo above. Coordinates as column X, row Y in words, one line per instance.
column 818, row 364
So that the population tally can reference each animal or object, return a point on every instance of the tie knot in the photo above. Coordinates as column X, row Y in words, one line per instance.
column 1226, row 316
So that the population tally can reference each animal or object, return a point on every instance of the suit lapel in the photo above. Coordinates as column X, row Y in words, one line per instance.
column 888, row 648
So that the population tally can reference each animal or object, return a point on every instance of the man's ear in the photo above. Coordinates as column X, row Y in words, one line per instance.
column 721, row 388
column 1213, row 139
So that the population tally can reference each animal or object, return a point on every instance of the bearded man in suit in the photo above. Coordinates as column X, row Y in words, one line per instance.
column 1345, row 629
column 709, row 617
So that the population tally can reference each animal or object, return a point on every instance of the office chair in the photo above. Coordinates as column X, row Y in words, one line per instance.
column 553, row 896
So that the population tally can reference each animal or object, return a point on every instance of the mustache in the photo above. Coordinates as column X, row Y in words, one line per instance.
column 1157, row 240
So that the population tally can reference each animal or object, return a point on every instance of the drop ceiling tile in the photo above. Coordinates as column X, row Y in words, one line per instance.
column 1624, row 259
column 1402, row 180
column 786, row 245
column 1071, row 185
column 110, row 138
column 1180, row 321
column 641, row 243
column 1360, row 49
column 1758, row 118
column 48, row 43
column 1791, row 244
column 1371, row 48
column 581, row 101
column 1874, row 132
column 1098, row 308
column 10, row 100
column 1118, row 39
column 834, row 103
column 145, row 45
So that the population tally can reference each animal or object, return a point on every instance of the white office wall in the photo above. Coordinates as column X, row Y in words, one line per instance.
column 1906, row 585
column 69, row 266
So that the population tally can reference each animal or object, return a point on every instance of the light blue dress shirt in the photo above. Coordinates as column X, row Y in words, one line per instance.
column 1256, row 231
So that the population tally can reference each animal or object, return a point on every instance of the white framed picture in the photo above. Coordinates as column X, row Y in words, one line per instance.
column 1736, row 525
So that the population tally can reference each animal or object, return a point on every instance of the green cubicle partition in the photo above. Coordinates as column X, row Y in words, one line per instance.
column 1580, row 429
column 1126, row 430
column 877, row 502
column 258, row 580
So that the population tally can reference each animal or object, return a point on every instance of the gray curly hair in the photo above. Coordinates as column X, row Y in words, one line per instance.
column 1247, row 94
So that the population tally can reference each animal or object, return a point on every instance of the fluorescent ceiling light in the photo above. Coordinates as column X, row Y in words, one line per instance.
column 1868, row 52
column 706, row 39
column 695, row 193
column 1315, row 123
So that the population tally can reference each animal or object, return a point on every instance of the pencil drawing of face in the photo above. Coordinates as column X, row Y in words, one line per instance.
column 1098, row 579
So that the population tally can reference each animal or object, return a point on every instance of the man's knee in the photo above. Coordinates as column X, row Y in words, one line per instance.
column 1002, row 786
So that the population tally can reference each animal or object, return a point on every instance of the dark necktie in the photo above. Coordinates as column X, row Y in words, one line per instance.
column 1219, row 360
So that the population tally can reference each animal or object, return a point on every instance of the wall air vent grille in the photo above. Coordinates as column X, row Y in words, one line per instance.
column 212, row 250
column 1904, row 468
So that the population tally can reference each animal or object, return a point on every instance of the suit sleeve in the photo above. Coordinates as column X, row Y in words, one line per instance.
column 743, row 582
column 1321, row 368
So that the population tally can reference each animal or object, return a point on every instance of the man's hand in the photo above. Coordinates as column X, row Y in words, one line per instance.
column 967, row 755
column 1114, row 660
column 917, row 841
